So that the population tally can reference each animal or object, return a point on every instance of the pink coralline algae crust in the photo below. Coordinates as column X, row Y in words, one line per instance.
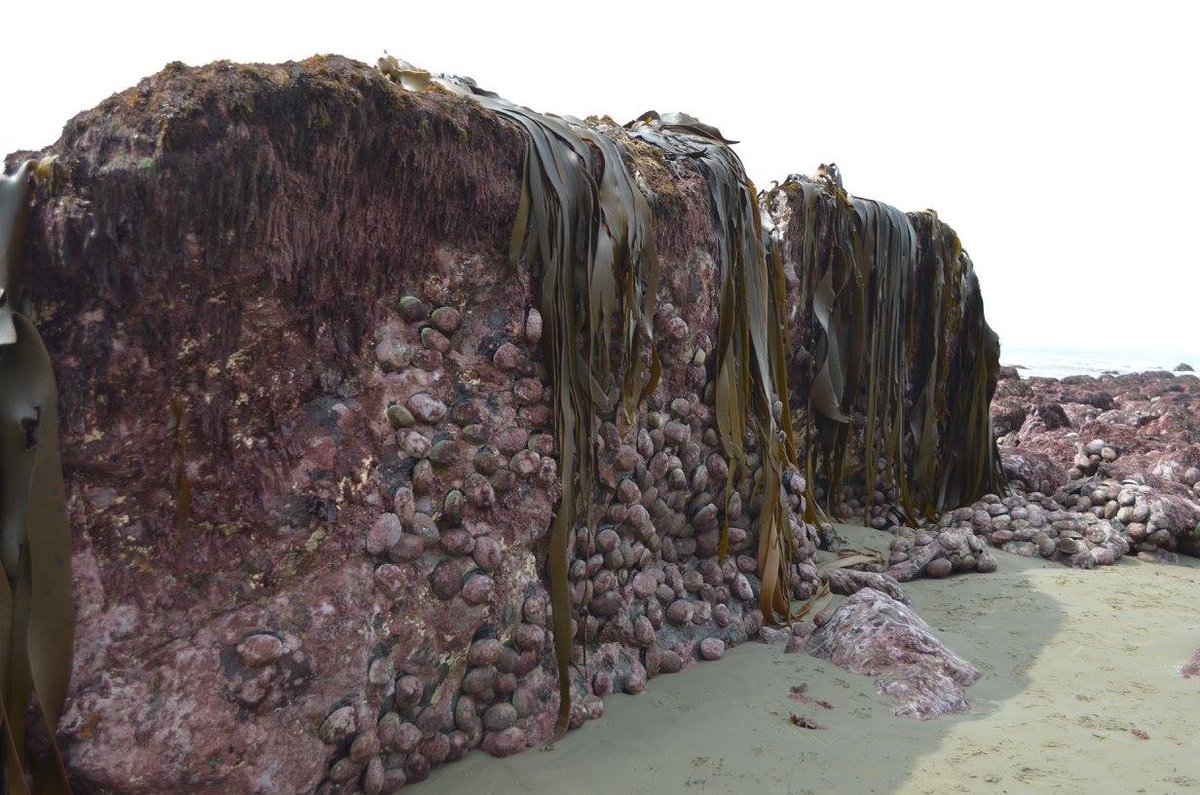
column 311, row 266
column 1099, row 468
column 873, row 634
column 355, row 592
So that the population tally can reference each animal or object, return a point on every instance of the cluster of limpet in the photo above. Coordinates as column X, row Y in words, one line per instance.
column 458, row 545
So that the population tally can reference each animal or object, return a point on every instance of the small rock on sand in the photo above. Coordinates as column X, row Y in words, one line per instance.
column 873, row 634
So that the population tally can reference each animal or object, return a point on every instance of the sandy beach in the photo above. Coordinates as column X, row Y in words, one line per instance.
column 1080, row 692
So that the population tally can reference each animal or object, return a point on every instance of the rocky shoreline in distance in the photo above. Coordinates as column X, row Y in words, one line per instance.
column 1098, row 468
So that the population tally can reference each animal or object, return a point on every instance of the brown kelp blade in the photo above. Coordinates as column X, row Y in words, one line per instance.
column 750, row 353
column 37, row 620
column 14, row 211
column 590, row 239
column 900, row 340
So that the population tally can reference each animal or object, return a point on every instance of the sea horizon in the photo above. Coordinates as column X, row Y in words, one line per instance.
column 1060, row 362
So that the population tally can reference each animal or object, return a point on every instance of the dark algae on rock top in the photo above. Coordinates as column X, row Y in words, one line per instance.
column 405, row 421
column 37, row 618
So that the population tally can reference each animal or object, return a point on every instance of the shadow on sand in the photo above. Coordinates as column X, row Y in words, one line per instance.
column 724, row 727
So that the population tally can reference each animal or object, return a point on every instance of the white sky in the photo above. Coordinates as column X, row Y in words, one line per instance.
column 1060, row 139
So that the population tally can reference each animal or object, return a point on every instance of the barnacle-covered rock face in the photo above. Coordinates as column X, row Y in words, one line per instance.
column 354, row 472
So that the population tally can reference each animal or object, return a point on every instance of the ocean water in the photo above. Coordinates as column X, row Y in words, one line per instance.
column 1060, row 362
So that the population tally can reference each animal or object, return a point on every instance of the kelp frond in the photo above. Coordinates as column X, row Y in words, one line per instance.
column 590, row 241
column 897, row 329
column 900, row 339
column 751, row 378
column 37, row 614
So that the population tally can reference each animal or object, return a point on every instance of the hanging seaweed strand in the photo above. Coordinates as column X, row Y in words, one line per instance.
column 37, row 614
column 907, row 393
column 751, row 378
column 900, row 339
column 589, row 239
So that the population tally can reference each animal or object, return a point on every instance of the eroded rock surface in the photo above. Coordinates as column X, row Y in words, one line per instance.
column 309, row 447
column 308, row 442
column 873, row 634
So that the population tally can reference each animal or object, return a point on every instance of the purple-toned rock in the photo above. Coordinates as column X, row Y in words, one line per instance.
column 527, row 391
column 626, row 458
column 404, row 504
column 407, row 549
column 393, row 580
column 524, row 463
column 483, row 653
column 393, row 354
column 434, row 340
column 373, row 780
column 602, row 684
column 1192, row 667
column 435, row 748
column 479, row 491
column 403, row 737
column 529, row 637
column 446, row 580
column 772, row 634
column 680, row 612
column 344, row 770
column 644, row 585
column 413, row 309
column 873, row 634
column 507, row 357
column 478, row 589
column 712, row 648
column 606, row 604
column 416, row 767
column 628, row 492
column 260, row 649
column 536, row 610
column 669, row 662
column 506, row 742
column 408, row 690
column 499, row 717
column 338, row 725
column 365, row 746
column 643, row 631
column 939, row 567
column 414, row 443
column 487, row 553
column 446, row 319
column 426, row 408
column 848, row 582
column 344, row 402
column 635, row 680
column 384, row 533
column 533, row 327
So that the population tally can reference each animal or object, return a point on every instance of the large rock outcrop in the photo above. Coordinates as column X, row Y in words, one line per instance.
column 310, row 444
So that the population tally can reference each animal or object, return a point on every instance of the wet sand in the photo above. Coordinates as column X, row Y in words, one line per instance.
column 1080, row 692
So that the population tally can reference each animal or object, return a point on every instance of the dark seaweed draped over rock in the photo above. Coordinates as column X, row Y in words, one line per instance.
column 903, row 364
column 391, row 412
column 37, row 619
